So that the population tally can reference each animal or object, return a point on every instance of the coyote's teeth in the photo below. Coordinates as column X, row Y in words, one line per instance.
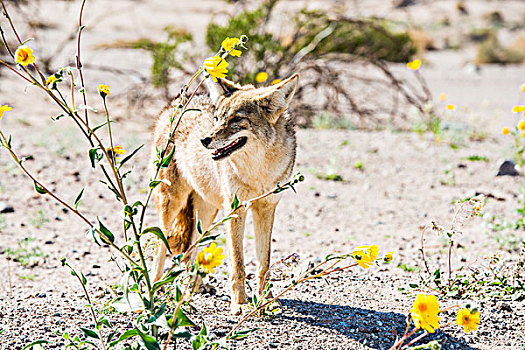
column 225, row 151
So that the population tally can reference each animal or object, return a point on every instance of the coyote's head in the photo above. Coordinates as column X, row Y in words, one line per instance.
column 246, row 117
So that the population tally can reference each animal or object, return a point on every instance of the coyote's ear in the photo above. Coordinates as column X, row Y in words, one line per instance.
column 223, row 87
column 276, row 99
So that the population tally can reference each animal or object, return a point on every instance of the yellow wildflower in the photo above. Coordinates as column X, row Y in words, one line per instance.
column 522, row 134
column 216, row 67
column 414, row 65
column 505, row 131
column 52, row 79
column 103, row 90
column 210, row 258
column 521, row 125
column 389, row 256
column 24, row 55
column 451, row 107
column 365, row 255
column 469, row 320
column 229, row 43
column 261, row 77
column 523, row 88
column 276, row 81
column 117, row 150
column 4, row 108
column 442, row 97
column 517, row 109
column 425, row 312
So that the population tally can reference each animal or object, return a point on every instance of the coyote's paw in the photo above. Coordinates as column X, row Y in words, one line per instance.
column 237, row 309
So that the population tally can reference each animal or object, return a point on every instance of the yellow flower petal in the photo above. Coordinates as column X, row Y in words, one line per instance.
column 216, row 67
column 451, row 107
column 414, row 65
column 469, row 320
column 517, row 109
column 209, row 258
column 521, row 125
column 442, row 97
column 523, row 88
column 389, row 256
column 52, row 78
column 4, row 108
column 276, row 81
column 236, row 53
column 261, row 77
column 425, row 312
column 103, row 90
column 228, row 44
column 118, row 150
column 505, row 131
column 24, row 55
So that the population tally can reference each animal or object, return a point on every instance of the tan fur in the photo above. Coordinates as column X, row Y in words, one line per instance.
column 200, row 185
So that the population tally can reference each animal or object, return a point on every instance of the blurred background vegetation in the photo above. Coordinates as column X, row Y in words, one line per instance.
column 351, row 66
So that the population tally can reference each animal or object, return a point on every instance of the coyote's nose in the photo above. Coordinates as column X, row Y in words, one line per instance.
column 206, row 141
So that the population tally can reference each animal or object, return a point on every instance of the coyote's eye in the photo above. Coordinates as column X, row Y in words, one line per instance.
column 236, row 119
column 215, row 119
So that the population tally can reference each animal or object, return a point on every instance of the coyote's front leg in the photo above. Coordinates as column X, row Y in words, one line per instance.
column 263, row 216
column 235, row 233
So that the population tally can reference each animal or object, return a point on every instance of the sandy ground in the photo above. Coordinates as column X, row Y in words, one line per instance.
column 406, row 181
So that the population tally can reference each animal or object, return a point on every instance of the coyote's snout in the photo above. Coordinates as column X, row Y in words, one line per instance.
column 241, row 143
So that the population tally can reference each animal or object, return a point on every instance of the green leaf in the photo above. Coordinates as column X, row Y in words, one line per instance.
column 158, row 232
column 130, row 302
column 203, row 331
column 131, row 155
column 93, row 234
column 235, row 203
column 39, row 188
column 99, row 126
column 159, row 318
column 242, row 334
column 208, row 239
column 170, row 278
column 155, row 183
column 94, row 156
column 182, row 320
column 107, row 233
column 126, row 335
column 182, row 333
column 77, row 200
column 83, row 278
column 103, row 321
column 199, row 226
column 57, row 117
column 149, row 341
column 167, row 160
column 89, row 333
column 36, row 342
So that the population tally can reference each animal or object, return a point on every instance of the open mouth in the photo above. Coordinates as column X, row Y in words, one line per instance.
column 226, row 151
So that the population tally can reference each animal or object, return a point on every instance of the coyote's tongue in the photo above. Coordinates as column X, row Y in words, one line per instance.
column 226, row 151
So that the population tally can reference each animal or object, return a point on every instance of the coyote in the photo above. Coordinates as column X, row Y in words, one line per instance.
column 242, row 143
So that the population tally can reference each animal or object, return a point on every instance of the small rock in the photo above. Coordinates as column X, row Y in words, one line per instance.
column 41, row 295
column 49, row 242
column 6, row 208
column 507, row 168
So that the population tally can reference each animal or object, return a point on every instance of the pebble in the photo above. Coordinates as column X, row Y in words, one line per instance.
column 6, row 208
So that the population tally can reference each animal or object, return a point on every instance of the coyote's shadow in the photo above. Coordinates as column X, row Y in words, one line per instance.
column 375, row 329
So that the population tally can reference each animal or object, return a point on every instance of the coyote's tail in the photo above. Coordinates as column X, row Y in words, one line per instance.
column 180, row 237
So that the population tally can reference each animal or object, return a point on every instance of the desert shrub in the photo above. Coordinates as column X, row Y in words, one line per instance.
column 317, row 43
column 491, row 277
column 492, row 51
